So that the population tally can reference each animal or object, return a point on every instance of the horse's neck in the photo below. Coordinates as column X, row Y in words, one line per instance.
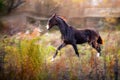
column 63, row 26
column 63, row 29
column 66, row 31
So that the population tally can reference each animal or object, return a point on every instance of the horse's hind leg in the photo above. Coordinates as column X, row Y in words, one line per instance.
column 97, row 47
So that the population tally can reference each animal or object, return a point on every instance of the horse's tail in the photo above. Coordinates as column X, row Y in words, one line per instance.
column 100, row 41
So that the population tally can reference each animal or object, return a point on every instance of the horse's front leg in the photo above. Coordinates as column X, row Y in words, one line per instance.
column 61, row 46
column 76, row 49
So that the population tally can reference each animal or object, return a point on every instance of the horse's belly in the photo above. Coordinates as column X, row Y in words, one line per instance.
column 81, row 38
column 81, row 42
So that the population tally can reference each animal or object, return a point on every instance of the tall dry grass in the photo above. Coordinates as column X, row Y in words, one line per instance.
column 29, row 59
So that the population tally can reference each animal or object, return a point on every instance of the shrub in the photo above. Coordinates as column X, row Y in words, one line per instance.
column 26, row 59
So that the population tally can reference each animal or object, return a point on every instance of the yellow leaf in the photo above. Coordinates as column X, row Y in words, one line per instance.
column 78, row 1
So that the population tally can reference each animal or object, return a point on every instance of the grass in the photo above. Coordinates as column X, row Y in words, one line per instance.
column 29, row 59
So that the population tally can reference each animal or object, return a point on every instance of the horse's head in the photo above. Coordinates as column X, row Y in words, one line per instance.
column 51, row 22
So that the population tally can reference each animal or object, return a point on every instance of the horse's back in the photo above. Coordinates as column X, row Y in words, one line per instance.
column 81, row 36
column 85, row 35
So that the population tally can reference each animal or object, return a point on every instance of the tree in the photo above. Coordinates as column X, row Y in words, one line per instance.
column 7, row 6
column 13, row 4
column 1, row 5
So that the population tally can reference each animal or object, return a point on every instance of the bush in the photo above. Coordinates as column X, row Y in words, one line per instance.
column 26, row 59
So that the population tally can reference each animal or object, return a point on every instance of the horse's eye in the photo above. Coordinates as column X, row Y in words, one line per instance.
column 50, row 21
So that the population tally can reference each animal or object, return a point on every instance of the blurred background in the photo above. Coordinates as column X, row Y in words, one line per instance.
column 26, row 47
column 102, row 14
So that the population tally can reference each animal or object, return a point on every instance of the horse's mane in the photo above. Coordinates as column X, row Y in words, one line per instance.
column 63, row 20
column 62, row 17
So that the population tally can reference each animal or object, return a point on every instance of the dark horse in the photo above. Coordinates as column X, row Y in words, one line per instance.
column 73, row 36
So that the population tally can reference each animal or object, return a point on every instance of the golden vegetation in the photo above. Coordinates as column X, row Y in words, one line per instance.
column 29, row 59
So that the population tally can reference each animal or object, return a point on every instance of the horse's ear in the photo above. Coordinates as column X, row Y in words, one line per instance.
column 54, row 15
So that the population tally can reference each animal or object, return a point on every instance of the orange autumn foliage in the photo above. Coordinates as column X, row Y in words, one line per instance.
column 28, row 35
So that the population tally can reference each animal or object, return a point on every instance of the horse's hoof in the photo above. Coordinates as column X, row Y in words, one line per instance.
column 52, row 59
column 77, row 55
column 98, row 55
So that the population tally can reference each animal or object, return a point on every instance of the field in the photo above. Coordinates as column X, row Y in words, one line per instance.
column 27, row 47
column 30, row 59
